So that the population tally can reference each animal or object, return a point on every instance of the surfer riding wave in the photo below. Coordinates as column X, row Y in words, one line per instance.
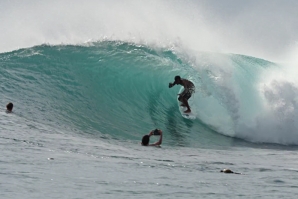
column 189, row 89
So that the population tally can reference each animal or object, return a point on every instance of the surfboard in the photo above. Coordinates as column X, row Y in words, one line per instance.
column 190, row 115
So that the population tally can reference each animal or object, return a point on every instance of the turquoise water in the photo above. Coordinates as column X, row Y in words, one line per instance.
column 121, row 90
column 87, row 107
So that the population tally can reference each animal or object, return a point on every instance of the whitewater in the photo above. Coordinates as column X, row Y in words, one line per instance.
column 86, row 86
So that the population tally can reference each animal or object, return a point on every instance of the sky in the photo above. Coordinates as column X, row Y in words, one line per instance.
column 268, row 26
column 266, row 29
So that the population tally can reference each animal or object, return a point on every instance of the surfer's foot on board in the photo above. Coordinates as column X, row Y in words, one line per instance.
column 187, row 111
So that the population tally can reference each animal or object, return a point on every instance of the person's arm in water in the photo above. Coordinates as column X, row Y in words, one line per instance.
column 160, row 138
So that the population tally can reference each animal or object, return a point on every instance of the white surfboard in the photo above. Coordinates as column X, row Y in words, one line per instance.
column 190, row 115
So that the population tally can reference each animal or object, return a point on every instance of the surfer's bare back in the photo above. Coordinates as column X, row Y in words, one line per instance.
column 189, row 89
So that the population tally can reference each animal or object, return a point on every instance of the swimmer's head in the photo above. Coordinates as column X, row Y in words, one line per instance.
column 9, row 106
column 226, row 171
column 145, row 140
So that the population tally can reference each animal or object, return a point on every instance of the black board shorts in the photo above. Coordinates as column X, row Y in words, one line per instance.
column 187, row 94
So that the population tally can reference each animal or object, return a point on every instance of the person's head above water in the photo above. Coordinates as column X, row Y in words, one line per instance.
column 229, row 171
column 177, row 79
column 9, row 106
column 226, row 171
column 145, row 140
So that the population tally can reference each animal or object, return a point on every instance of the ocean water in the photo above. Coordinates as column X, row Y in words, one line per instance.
column 89, row 78
column 80, row 112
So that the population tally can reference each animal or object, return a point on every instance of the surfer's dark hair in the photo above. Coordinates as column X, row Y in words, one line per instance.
column 9, row 106
column 145, row 140
column 177, row 78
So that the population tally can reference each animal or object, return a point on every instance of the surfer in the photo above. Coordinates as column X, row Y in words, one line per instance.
column 9, row 107
column 189, row 89
column 146, row 138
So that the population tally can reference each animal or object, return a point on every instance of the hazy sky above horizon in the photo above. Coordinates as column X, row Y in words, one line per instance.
column 269, row 23
column 267, row 28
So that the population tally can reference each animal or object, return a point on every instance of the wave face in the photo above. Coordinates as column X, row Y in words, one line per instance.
column 120, row 90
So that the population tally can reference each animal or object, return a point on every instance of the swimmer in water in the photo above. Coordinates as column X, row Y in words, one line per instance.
column 9, row 107
column 146, row 138
column 228, row 171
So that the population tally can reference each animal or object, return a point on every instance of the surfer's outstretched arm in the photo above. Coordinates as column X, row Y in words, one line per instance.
column 171, row 85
